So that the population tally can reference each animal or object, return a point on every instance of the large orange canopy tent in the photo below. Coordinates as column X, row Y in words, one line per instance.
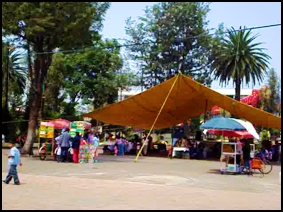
column 186, row 99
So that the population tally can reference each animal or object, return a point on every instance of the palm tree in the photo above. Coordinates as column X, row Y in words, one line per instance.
column 239, row 58
column 13, row 71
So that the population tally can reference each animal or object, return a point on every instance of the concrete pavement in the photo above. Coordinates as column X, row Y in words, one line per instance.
column 152, row 183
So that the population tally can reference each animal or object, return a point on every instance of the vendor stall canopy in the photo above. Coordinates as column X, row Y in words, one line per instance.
column 188, row 99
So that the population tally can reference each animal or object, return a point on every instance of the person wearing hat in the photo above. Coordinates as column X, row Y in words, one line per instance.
column 14, row 160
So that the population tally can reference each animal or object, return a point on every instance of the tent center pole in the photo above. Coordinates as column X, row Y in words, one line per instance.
column 164, row 103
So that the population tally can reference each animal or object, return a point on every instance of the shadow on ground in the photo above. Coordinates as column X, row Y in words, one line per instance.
column 254, row 174
column 102, row 158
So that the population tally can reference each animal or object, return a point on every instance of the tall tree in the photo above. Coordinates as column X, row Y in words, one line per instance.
column 46, row 26
column 238, row 58
column 270, row 94
column 171, row 36
column 14, row 71
column 92, row 76
column 14, row 75
column 273, row 85
column 54, row 85
column 95, row 74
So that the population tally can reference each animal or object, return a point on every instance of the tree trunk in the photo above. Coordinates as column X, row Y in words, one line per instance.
column 41, row 106
column 238, row 89
column 237, row 93
column 32, row 124
column 41, row 65
column 34, row 105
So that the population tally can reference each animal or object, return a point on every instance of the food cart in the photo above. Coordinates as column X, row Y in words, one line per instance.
column 229, row 151
column 46, row 142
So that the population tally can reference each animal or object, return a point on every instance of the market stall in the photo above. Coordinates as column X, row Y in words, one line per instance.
column 163, row 106
column 230, row 151
column 46, row 142
column 47, row 132
column 80, row 127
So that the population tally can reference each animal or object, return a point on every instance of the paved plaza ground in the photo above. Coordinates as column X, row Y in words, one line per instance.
column 152, row 183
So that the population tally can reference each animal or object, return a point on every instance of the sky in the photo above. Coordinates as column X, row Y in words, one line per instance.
column 232, row 14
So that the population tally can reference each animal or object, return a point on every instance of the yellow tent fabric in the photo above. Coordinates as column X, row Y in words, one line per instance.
column 188, row 99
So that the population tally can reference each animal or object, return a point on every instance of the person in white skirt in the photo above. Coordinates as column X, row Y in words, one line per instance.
column 58, row 149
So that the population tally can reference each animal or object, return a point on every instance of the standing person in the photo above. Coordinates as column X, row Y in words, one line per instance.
column 95, row 148
column 239, row 157
column 120, row 145
column 145, row 141
column 125, row 143
column 58, row 149
column 14, row 160
column 205, row 151
column 86, row 134
column 246, row 149
column 279, row 152
column 89, row 147
column 90, row 137
column 64, row 144
column 137, row 142
column 76, row 147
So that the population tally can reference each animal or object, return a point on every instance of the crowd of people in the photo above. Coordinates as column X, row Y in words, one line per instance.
column 196, row 149
column 271, row 150
column 119, row 145
column 84, row 148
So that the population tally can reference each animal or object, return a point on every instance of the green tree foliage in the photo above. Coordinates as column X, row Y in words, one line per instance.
column 46, row 26
column 14, row 75
column 238, row 58
column 270, row 94
column 14, row 71
column 54, row 84
column 95, row 74
column 171, row 36
column 92, row 76
column 274, row 86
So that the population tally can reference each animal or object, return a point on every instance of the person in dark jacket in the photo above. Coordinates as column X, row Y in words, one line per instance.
column 246, row 149
column 64, row 143
column 76, row 146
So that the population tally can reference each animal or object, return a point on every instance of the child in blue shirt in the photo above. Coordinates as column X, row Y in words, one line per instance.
column 14, row 160
column 95, row 148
